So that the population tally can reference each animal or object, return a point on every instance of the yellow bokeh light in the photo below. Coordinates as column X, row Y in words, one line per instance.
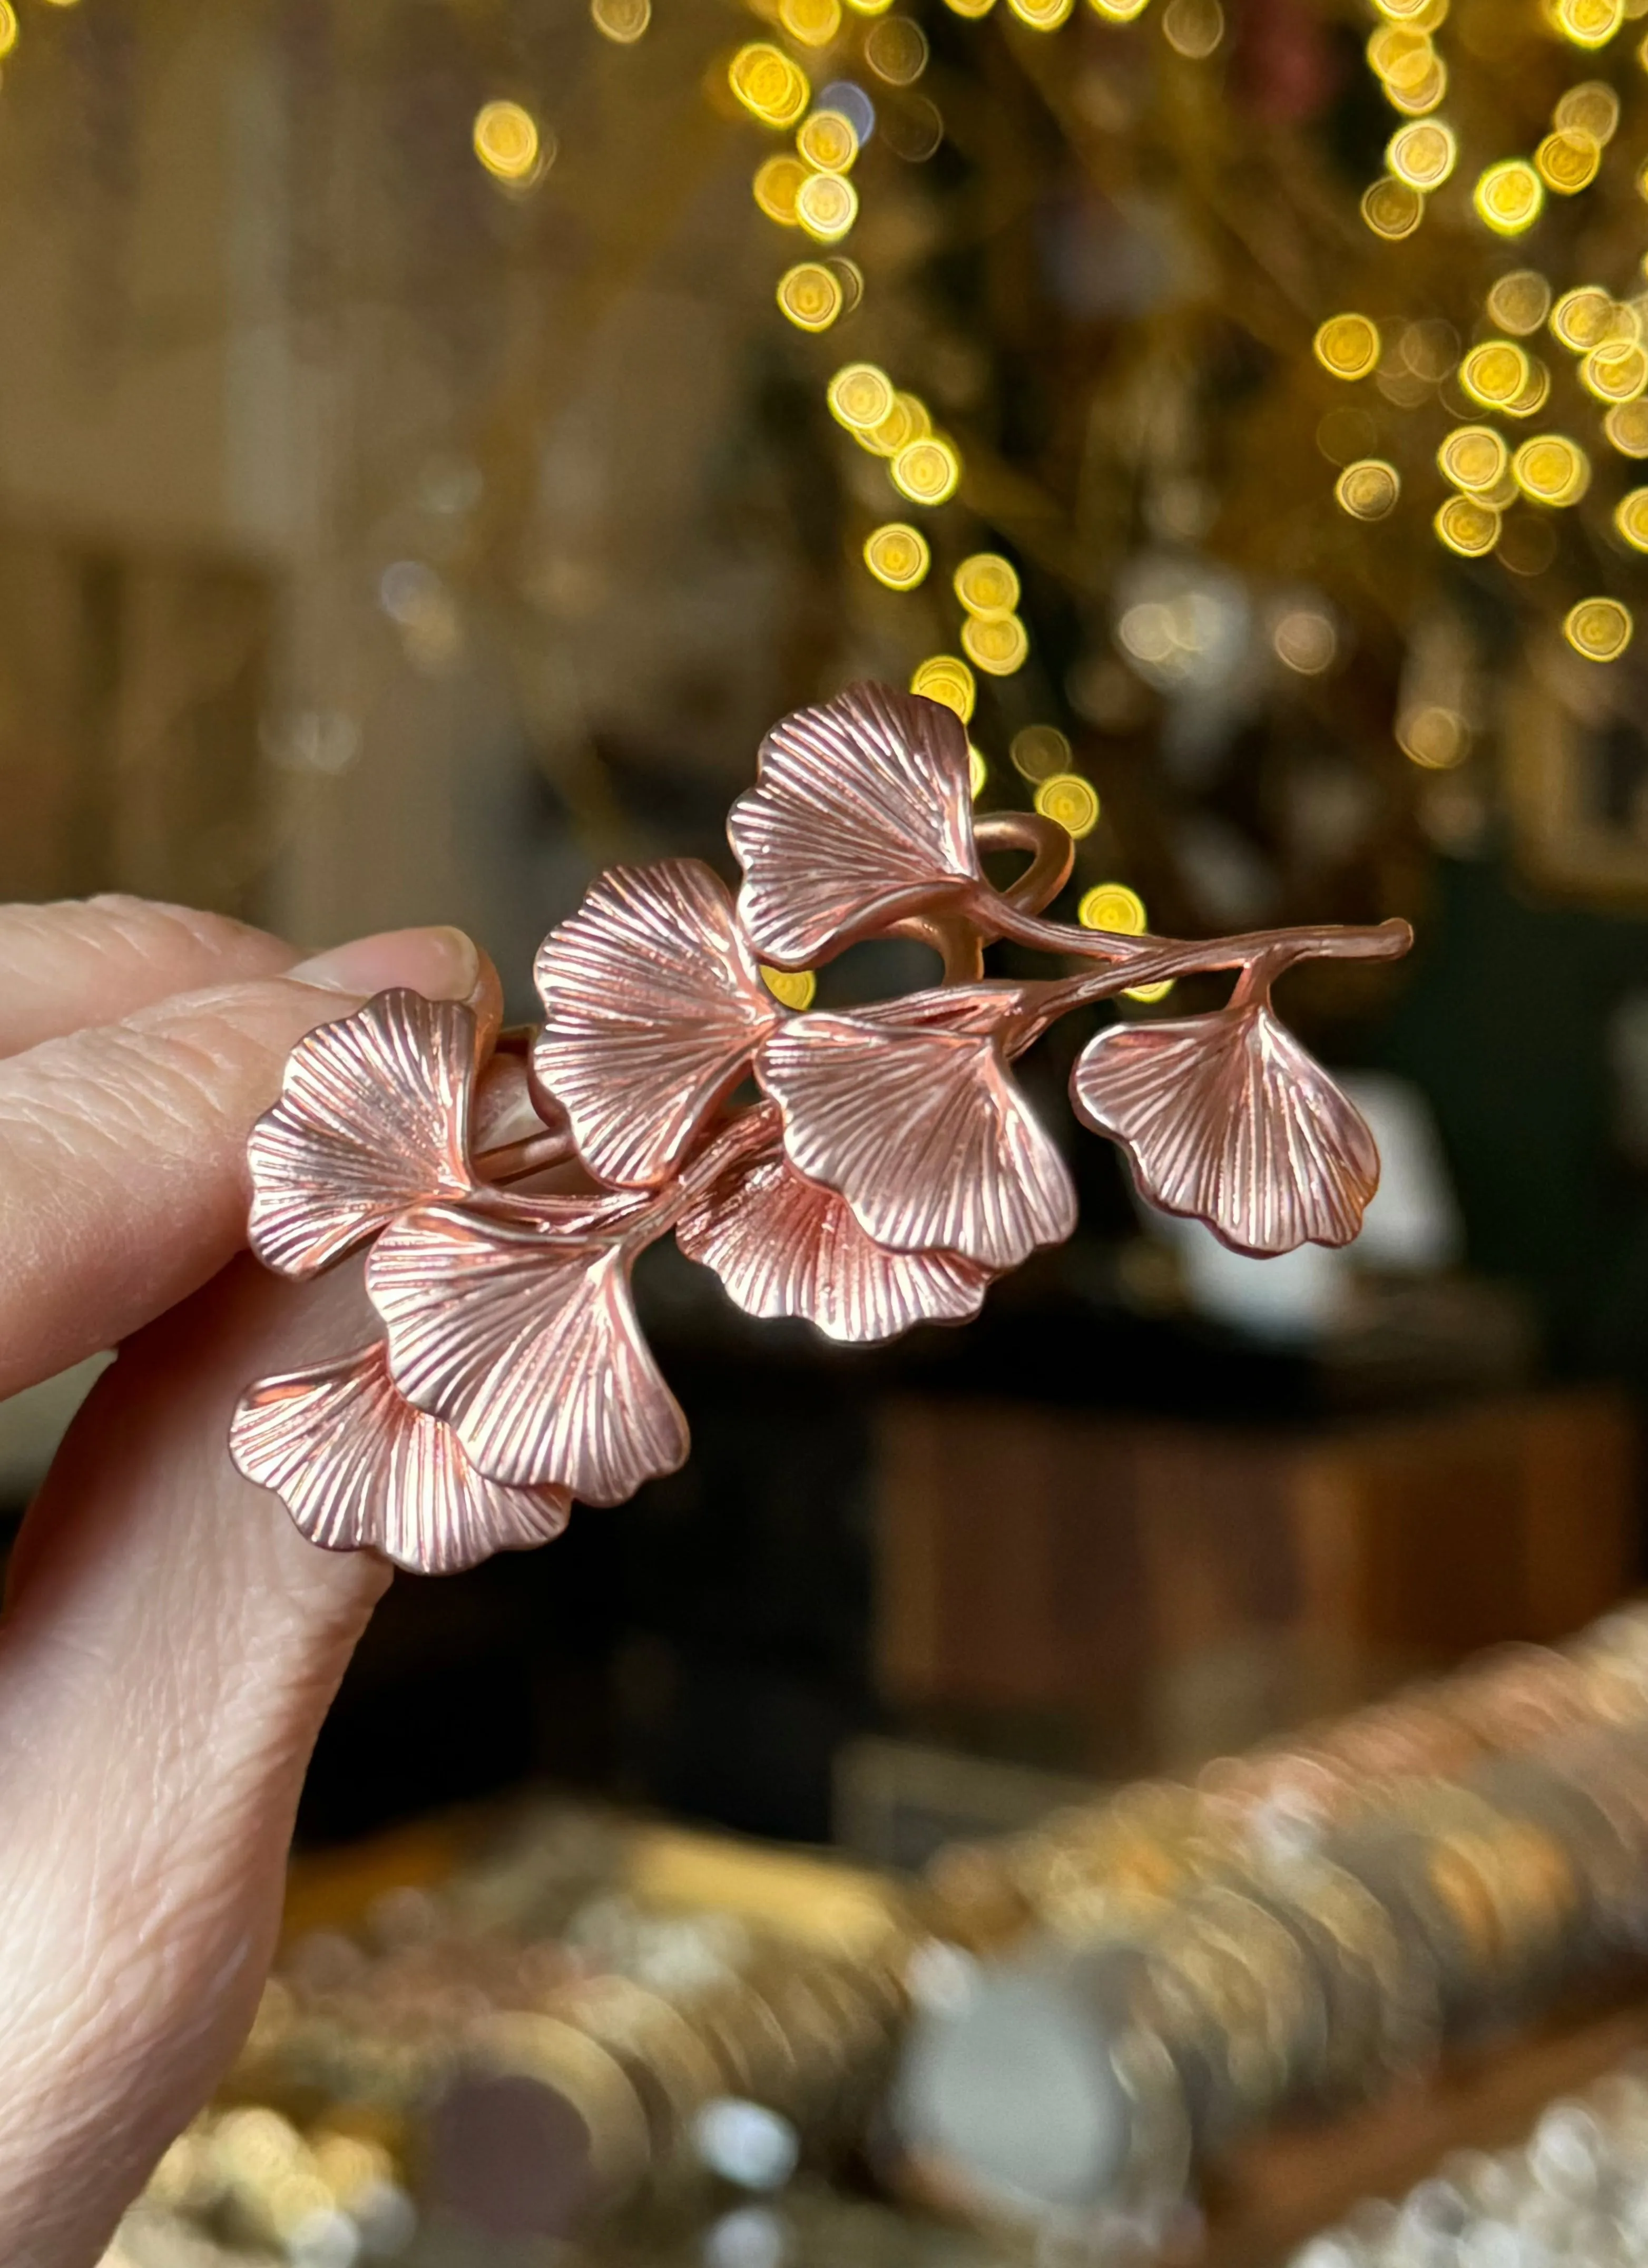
column 1070, row 802
column 860, row 395
column 1509, row 197
column 810, row 295
column 1158, row 991
column 1112, row 906
column 1475, row 458
column 8, row 27
column 505, row 136
column 1593, row 107
column 775, row 187
column 927, row 470
column 944, row 677
column 1043, row 15
column 815, row 23
column 1588, row 22
column 1368, row 489
column 978, row 771
column 987, row 584
column 1400, row 55
column 1038, row 751
column 1520, row 302
column 828, row 141
column 1118, row 11
column 1600, row 628
column 622, row 21
column 1630, row 517
column 1434, row 737
column 896, row 51
column 1392, row 209
column 1567, row 160
column 1534, row 395
column 1584, row 318
column 1418, row 100
column 791, row 988
column 827, row 206
column 1348, row 345
column 849, row 276
column 1423, row 154
column 898, row 555
column 1494, row 372
column 1468, row 526
column 771, row 85
column 1194, row 28
column 1617, row 371
column 1551, row 469
column 1627, row 428
column 1304, row 640
column 998, row 644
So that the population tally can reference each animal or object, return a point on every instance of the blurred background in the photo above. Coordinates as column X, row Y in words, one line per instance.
column 437, row 440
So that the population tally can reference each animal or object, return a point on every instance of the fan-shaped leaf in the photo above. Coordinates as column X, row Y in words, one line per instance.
column 524, row 1341
column 862, row 814
column 654, row 1006
column 358, row 1467
column 1227, row 1117
column 371, row 1119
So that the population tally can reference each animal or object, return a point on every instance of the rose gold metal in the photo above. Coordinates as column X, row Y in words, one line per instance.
column 892, row 1169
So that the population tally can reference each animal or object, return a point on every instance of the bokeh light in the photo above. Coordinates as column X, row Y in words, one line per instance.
column 1368, row 489
column 810, row 296
column 1039, row 751
column 791, row 988
column 828, row 141
column 1348, row 345
column 987, row 584
column 1551, row 469
column 898, row 555
column 997, row 643
column 1070, row 801
column 1473, row 458
column 505, row 136
column 1468, row 526
column 1113, row 906
column 944, row 677
column 1509, row 197
column 927, row 470
column 1598, row 629
column 1520, row 302
column 827, row 205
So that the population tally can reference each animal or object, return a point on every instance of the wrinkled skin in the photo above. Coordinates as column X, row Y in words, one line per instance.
column 170, row 1642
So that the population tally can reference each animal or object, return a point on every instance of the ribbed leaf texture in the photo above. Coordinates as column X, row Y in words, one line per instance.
column 372, row 1118
column 785, row 1246
column 358, row 1467
column 862, row 812
column 1228, row 1118
column 526, row 1343
column 653, row 1005
column 919, row 1126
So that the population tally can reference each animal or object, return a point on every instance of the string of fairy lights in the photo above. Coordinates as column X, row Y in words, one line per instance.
column 1488, row 472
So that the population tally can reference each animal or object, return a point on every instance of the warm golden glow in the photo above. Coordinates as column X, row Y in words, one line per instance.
column 1617, row 371
column 898, row 555
column 1627, row 428
column 1418, row 100
column 1423, row 154
column 1468, row 526
column 1475, row 458
column 506, row 139
column 1118, row 11
column 8, row 27
column 1630, row 517
column 1551, row 469
column 927, row 470
column 791, row 988
column 1494, row 372
column 978, row 770
column 1534, row 395
column 1600, row 628
column 1582, row 318
column 1509, row 197
column 1400, row 54
column 999, row 644
column 1194, row 28
column 1593, row 108
column 770, row 86
column 828, row 141
column 1588, row 22
column 1043, row 15
column 1070, row 801
column 987, row 584
column 1348, row 345
column 622, row 21
column 1038, row 751
column 1567, row 160
column 860, row 395
column 1305, row 640
column 814, row 22
column 810, row 295
column 1392, row 209
column 1520, row 302
column 827, row 205
column 849, row 276
column 896, row 50
column 1368, row 489
column 942, row 677
column 1432, row 737
column 774, row 187
column 1112, row 906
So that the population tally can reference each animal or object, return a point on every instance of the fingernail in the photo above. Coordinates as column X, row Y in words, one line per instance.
column 442, row 964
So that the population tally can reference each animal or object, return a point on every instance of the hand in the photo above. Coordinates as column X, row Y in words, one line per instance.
column 170, row 1642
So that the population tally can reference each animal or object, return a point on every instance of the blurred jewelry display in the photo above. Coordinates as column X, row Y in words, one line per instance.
column 1574, row 2195
column 889, row 1172
column 1177, row 1966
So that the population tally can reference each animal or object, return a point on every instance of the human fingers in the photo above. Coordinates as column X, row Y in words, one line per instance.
column 122, row 1148
column 170, row 1646
column 93, row 961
